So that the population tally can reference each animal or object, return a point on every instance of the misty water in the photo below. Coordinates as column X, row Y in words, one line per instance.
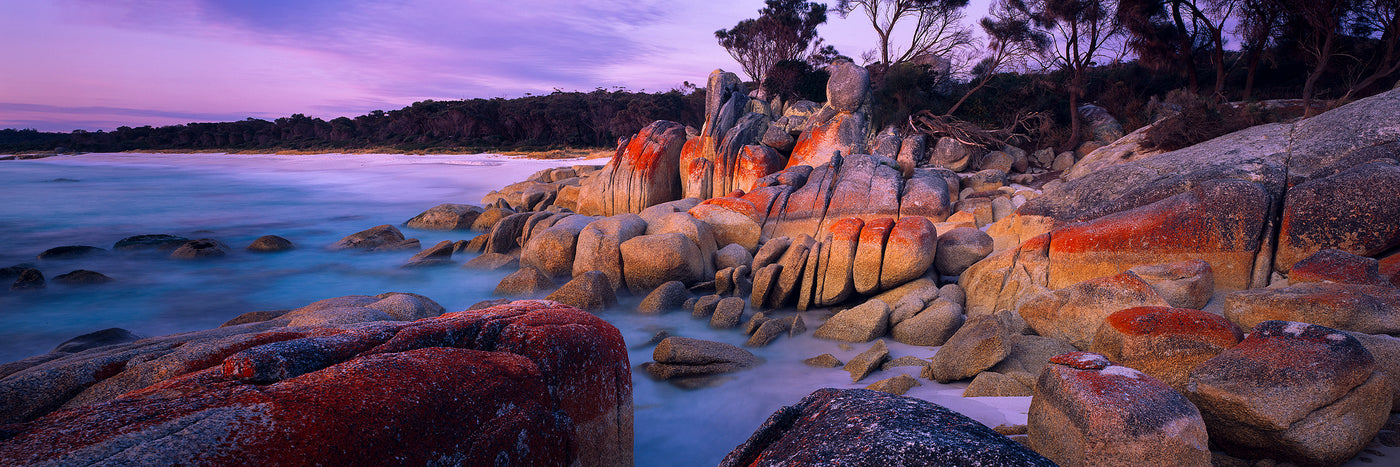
column 313, row 201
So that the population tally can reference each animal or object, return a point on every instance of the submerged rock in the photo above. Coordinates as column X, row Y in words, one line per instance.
column 270, row 244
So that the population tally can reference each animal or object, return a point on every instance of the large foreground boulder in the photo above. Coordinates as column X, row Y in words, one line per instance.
column 1089, row 411
column 471, row 388
column 1292, row 391
column 864, row 427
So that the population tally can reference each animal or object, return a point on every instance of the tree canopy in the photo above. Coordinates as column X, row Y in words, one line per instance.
column 784, row 30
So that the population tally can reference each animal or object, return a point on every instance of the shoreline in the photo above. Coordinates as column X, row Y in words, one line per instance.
column 538, row 154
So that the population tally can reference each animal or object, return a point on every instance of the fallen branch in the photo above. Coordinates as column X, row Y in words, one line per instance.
column 943, row 126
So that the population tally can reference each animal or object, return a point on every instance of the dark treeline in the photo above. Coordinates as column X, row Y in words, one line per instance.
column 575, row 119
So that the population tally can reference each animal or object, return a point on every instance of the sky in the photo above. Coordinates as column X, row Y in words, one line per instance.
column 100, row 64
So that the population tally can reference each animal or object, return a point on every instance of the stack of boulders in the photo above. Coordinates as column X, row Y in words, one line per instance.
column 388, row 379
column 1168, row 267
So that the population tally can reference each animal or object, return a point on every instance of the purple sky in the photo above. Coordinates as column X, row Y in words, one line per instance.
column 99, row 64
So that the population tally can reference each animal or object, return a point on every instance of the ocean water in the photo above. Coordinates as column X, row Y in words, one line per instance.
column 313, row 201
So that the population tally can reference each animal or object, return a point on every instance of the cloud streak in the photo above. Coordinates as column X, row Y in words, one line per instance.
column 138, row 62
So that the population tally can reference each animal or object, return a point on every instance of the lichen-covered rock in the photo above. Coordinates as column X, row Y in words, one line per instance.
column 843, row 134
column 1294, row 392
column 434, row 390
column 1075, row 313
column 909, row 252
column 1220, row 222
column 838, row 259
column 734, row 220
column 1165, row 343
column 1356, row 211
column 1333, row 265
column 644, row 173
column 864, row 427
column 1090, row 411
column 446, row 217
column 1349, row 307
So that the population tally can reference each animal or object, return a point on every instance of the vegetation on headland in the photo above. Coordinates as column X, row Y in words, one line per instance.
column 530, row 124
column 1138, row 59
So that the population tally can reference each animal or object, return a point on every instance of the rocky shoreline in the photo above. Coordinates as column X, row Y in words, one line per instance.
column 1230, row 303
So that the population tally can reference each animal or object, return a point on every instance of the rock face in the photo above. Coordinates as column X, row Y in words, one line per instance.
column 471, row 387
column 1220, row 222
column 1360, row 308
column 1089, row 411
column 446, row 217
column 1356, row 211
column 643, row 173
column 599, row 246
column 864, row 427
column 1292, row 391
column 553, row 249
column 1333, row 265
column 1165, row 343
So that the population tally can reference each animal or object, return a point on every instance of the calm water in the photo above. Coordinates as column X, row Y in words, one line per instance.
column 314, row 201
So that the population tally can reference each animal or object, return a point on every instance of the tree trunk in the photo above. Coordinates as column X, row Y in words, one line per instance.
column 1255, row 57
column 1183, row 49
column 1324, row 56
column 1076, row 88
column 1217, row 57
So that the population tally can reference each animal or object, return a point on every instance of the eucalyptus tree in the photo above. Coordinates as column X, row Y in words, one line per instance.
column 1081, row 29
column 933, row 27
column 784, row 30
column 1011, row 39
